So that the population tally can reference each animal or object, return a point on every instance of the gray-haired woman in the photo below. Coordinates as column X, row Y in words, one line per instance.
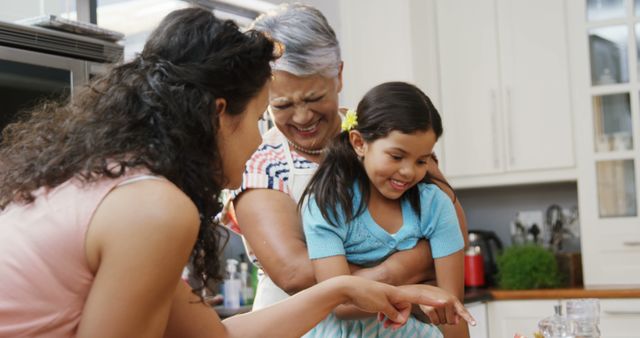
column 303, row 103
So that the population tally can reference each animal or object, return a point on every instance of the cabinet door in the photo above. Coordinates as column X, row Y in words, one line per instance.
column 468, row 57
column 537, row 116
column 479, row 312
column 619, row 318
column 605, row 85
column 506, row 318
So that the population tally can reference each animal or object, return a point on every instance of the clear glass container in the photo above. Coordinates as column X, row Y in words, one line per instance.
column 557, row 326
column 605, row 9
column 616, row 188
column 612, row 122
column 608, row 53
column 586, row 315
column 637, row 38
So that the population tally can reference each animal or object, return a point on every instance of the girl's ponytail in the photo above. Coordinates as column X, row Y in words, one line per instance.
column 332, row 184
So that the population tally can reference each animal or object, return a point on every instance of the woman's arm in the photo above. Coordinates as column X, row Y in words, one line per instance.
column 450, row 277
column 403, row 267
column 190, row 318
column 274, row 231
column 270, row 222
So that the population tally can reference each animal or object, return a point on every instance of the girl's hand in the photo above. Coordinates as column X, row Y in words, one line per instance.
column 391, row 303
column 449, row 310
column 405, row 312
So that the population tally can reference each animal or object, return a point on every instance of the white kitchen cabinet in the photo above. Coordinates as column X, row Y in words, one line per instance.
column 619, row 318
column 479, row 312
column 505, row 95
column 508, row 317
column 606, row 95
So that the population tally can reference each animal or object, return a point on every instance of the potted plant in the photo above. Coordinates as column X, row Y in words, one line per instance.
column 527, row 267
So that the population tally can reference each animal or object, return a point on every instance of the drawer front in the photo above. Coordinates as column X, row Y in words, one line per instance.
column 620, row 318
column 611, row 260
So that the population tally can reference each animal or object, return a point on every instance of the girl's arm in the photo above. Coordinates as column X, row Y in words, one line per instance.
column 450, row 277
column 440, row 225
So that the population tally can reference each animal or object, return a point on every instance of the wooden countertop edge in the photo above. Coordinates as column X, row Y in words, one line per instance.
column 564, row 293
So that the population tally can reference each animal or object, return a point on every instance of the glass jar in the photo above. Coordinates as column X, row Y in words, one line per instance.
column 557, row 326
column 586, row 314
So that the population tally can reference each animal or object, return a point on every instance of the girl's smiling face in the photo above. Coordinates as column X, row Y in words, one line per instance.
column 396, row 162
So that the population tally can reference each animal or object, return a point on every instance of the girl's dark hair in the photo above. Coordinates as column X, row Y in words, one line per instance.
column 155, row 112
column 391, row 106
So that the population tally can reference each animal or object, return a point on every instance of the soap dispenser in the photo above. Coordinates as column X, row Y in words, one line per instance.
column 232, row 286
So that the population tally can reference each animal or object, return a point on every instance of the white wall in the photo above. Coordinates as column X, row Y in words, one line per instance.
column 13, row 10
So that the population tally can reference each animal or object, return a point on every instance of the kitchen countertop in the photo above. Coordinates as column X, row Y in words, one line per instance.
column 472, row 295
column 564, row 293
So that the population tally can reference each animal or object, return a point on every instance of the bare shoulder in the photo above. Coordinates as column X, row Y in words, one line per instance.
column 145, row 229
column 153, row 203
column 149, row 213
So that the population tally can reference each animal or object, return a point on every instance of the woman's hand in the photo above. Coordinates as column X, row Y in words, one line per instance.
column 448, row 310
column 394, row 302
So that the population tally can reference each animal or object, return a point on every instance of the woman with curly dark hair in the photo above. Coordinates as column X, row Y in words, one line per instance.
column 103, row 200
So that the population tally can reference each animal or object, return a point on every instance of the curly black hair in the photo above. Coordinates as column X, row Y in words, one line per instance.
column 155, row 112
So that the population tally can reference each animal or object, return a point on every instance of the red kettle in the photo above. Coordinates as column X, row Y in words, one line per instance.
column 480, row 258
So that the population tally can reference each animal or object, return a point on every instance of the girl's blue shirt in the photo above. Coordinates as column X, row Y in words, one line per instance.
column 363, row 242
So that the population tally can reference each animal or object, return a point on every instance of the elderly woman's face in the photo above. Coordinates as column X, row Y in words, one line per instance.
column 305, row 109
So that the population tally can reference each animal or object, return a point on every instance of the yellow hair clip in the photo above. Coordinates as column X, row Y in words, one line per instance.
column 350, row 120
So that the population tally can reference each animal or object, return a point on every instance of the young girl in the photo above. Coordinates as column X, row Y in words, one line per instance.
column 370, row 198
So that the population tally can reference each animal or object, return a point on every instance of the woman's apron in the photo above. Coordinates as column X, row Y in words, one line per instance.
column 268, row 292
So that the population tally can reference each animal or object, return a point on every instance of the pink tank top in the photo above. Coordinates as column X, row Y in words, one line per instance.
column 44, row 275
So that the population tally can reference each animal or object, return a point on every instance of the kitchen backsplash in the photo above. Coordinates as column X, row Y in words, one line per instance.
column 495, row 208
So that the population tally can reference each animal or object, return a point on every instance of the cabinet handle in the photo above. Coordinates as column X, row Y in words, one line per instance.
column 622, row 312
column 631, row 243
column 494, row 122
column 508, row 116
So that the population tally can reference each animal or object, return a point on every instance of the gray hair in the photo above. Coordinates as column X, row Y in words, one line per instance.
column 310, row 44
